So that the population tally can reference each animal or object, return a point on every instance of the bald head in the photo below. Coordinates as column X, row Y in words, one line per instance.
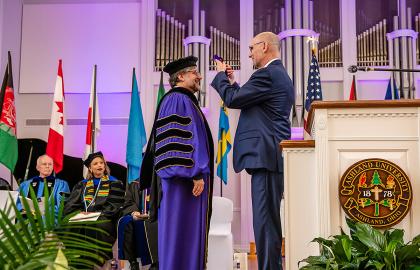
column 270, row 38
column 44, row 165
column 264, row 47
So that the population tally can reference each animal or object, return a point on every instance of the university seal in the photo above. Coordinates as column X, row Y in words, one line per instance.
column 375, row 191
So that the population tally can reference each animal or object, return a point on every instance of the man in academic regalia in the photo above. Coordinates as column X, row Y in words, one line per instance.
column 179, row 162
column 56, row 187
column 137, row 236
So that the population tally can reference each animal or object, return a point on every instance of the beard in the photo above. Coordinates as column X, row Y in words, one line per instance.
column 195, row 87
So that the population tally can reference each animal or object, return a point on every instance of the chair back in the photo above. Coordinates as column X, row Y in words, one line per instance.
column 222, row 214
column 5, row 201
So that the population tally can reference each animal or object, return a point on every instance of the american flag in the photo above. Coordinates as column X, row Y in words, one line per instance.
column 313, row 91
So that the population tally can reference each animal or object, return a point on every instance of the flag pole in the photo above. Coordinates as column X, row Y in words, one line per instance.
column 92, row 147
column 29, row 162
column 221, row 188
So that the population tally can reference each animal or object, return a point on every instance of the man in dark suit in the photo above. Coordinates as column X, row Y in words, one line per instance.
column 265, row 101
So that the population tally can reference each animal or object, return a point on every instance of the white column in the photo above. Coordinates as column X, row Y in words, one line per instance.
column 2, row 15
column 402, row 17
column 146, row 61
column 196, row 24
column 306, row 49
column 297, row 56
column 348, row 41
column 246, row 35
column 321, row 172
column 289, row 56
column 10, row 40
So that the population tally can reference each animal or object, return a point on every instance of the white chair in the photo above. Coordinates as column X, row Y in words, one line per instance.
column 220, row 245
column 5, row 201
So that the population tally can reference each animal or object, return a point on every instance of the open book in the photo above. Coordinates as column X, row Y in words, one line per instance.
column 31, row 204
column 83, row 216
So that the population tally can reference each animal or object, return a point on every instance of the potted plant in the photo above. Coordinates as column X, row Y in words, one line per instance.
column 31, row 240
column 365, row 248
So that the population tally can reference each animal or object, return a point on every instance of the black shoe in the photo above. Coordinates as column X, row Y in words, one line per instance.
column 134, row 265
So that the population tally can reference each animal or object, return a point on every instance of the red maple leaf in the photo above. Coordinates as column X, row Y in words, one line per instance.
column 60, row 106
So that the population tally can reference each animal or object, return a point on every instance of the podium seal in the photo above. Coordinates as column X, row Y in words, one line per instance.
column 375, row 191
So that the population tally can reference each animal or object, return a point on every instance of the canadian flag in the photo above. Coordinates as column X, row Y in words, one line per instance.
column 92, row 121
column 55, row 143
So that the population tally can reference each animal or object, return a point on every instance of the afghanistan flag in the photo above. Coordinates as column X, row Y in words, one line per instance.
column 8, row 140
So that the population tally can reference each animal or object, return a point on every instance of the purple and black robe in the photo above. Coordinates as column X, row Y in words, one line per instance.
column 182, row 148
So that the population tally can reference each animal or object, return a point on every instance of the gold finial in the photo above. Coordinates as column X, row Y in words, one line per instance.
column 314, row 41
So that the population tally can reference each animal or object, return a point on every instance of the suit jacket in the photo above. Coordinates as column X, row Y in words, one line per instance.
column 265, row 101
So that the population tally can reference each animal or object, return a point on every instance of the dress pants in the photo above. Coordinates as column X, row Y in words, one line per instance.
column 267, row 191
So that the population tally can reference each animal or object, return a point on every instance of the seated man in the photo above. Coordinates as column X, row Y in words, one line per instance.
column 56, row 187
column 137, row 236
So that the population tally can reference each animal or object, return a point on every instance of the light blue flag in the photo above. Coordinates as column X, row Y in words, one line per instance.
column 224, row 144
column 390, row 88
column 136, row 138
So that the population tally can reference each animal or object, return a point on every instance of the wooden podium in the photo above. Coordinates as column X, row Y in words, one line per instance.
column 343, row 133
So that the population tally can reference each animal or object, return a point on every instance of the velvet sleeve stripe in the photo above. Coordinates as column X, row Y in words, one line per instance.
column 173, row 118
column 174, row 146
column 173, row 132
column 113, row 199
column 116, row 194
column 174, row 161
column 117, row 189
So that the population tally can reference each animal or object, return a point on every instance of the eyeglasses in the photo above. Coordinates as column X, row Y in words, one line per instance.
column 194, row 71
column 252, row 46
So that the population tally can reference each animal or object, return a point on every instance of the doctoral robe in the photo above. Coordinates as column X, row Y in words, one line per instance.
column 183, row 151
column 108, row 201
column 56, row 187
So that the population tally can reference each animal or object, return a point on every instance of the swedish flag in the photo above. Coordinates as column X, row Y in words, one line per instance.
column 224, row 144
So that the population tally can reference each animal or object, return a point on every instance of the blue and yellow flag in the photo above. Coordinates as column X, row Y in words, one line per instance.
column 224, row 144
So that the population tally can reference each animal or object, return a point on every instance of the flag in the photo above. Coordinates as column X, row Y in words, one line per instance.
column 8, row 140
column 55, row 145
column 93, row 126
column 353, row 93
column 313, row 90
column 161, row 90
column 224, row 144
column 136, row 138
column 390, row 89
column 396, row 95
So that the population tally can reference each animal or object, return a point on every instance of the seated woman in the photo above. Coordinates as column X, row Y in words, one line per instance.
column 101, row 193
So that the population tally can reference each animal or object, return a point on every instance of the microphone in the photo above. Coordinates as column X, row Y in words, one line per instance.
column 354, row 69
